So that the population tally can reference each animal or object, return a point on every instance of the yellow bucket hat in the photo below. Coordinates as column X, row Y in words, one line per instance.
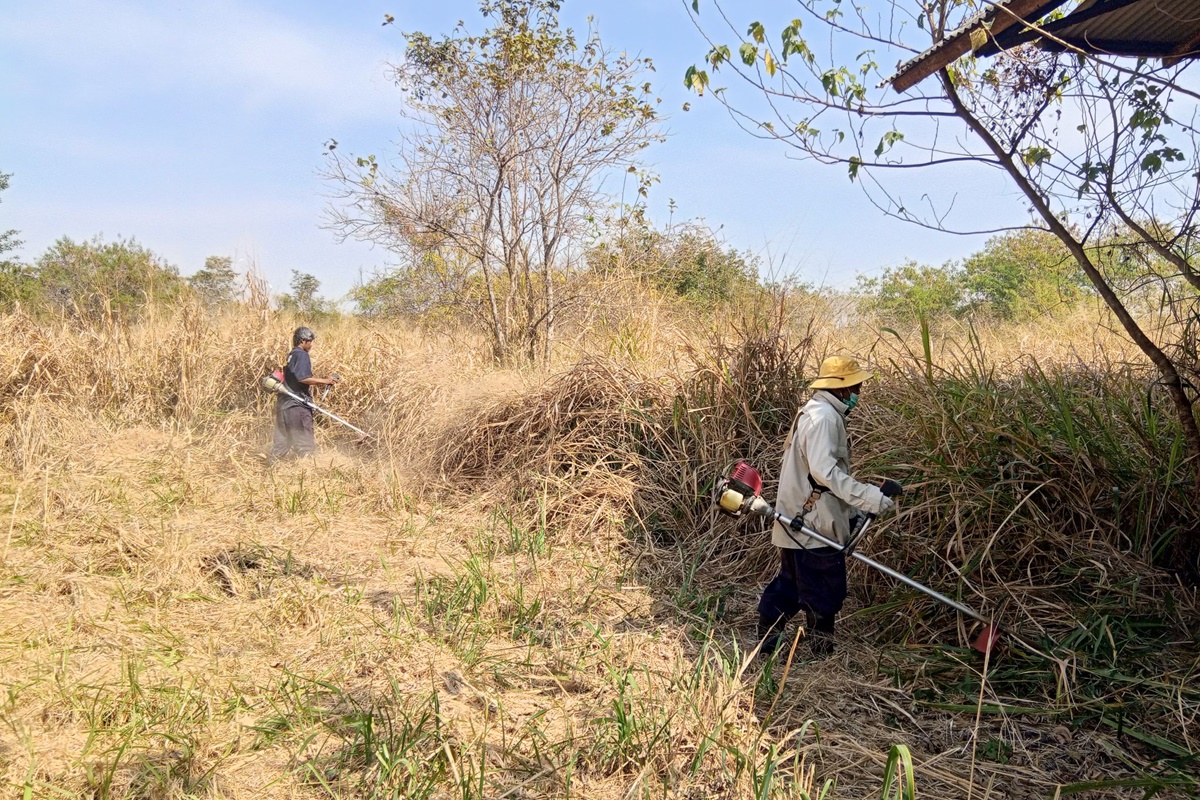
column 838, row 372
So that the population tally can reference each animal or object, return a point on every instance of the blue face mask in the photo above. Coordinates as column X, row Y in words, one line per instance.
column 852, row 402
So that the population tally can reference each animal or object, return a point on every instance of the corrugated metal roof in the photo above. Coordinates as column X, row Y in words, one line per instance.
column 1149, row 27
column 962, row 30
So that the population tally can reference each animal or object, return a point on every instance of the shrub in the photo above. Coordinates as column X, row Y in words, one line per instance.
column 92, row 279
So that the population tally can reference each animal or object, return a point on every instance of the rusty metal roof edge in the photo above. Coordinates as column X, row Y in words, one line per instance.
column 961, row 30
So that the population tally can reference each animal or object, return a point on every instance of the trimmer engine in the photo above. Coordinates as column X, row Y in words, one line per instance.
column 735, row 494
column 273, row 382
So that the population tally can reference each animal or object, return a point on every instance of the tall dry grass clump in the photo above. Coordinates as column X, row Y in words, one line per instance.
column 184, row 367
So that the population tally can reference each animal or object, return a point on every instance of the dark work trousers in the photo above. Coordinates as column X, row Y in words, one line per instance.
column 293, row 431
column 809, row 580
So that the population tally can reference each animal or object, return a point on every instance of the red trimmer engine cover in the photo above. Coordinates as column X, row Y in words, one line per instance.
column 745, row 479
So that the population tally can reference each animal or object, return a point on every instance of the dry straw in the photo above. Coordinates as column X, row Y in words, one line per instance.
column 521, row 590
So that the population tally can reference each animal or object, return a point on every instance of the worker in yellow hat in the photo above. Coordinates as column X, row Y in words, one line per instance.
column 815, row 486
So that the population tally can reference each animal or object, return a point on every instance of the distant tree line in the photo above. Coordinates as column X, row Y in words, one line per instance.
column 686, row 261
column 1017, row 277
column 91, row 280
column 98, row 279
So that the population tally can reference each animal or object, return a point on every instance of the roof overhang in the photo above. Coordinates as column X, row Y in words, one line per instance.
column 1166, row 29
column 973, row 34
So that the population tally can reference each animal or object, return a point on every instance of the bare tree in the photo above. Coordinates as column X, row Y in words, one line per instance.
column 509, row 138
column 1103, row 149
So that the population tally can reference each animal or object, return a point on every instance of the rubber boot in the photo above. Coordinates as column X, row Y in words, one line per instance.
column 820, row 634
column 770, row 634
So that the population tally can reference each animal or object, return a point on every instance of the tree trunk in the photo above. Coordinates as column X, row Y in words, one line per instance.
column 548, row 334
column 499, row 338
column 549, row 247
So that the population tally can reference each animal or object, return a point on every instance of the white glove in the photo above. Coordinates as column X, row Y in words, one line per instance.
column 886, row 504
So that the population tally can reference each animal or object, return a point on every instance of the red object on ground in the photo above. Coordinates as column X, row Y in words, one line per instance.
column 987, row 639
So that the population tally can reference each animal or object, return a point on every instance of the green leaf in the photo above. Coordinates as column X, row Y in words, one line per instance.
column 757, row 32
column 790, row 41
column 718, row 55
column 695, row 79
column 899, row 769
column 696, row 6
column 855, row 163
column 1035, row 155
column 829, row 80
column 889, row 139
column 979, row 38
column 749, row 53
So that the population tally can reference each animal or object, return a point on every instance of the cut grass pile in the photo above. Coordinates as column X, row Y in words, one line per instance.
column 519, row 590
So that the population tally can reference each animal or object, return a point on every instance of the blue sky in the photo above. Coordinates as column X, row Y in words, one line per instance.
column 198, row 128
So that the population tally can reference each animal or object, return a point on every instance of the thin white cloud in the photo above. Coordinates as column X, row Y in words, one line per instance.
column 106, row 52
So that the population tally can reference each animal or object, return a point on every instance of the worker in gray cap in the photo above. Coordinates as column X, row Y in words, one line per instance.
column 294, row 418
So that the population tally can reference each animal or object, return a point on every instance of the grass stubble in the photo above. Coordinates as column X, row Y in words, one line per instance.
column 519, row 591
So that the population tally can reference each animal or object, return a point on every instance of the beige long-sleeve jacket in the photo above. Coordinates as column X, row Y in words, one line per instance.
column 819, row 446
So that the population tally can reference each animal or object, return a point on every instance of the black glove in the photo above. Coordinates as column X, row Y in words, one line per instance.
column 891, row 488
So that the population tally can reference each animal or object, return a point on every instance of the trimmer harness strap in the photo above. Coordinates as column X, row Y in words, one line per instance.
column 814, row 496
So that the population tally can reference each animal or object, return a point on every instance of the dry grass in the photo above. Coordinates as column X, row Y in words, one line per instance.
column 519, row 590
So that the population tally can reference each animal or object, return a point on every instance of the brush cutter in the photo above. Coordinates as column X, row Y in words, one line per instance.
column 274, row 383
column 739, row 494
